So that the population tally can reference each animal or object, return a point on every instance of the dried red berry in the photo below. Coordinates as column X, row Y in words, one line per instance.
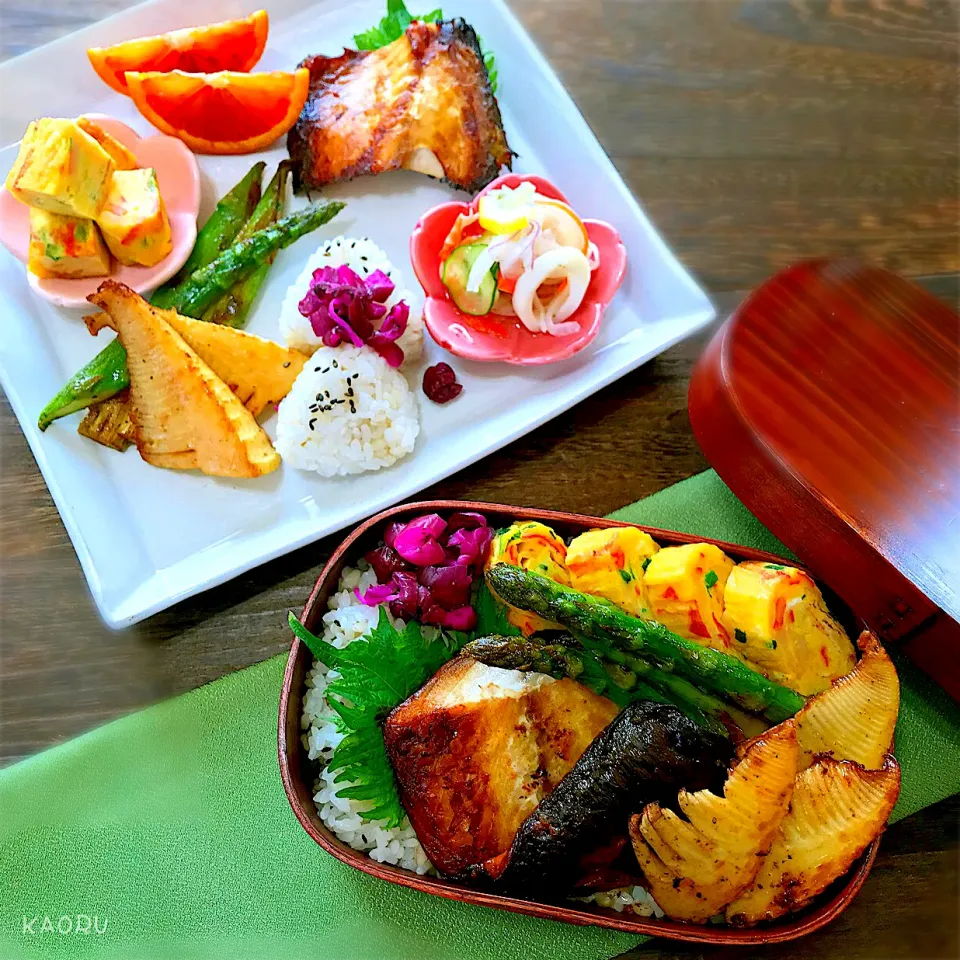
column 440, row 383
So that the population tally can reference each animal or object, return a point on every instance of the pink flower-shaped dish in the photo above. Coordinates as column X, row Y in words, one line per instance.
column 178, row 177
column 506, row 338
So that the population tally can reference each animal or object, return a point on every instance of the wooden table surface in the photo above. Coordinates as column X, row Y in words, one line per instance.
column 755, row 133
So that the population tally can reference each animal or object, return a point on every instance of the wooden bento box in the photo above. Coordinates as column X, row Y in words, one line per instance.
column 299, row 773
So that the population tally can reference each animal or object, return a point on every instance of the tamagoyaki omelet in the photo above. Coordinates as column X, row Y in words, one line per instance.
column 532, row 546
column 610, row 563
column 61, row 169
column 685, row 592
column 134, row 219
column 780, row 623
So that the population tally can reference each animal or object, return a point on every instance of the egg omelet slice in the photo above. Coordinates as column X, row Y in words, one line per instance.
column 685, row 591
column 780, row 624
column 532, row 546
column 62, row 246
column 610, row 563
column 60, row 169
column 134, row 219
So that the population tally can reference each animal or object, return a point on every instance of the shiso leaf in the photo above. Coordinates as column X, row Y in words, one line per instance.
column 394, row 25
column 491, row 615
column 375, row 674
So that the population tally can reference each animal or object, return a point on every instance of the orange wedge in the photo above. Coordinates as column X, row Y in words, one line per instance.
column 230, row 45
column 221, row 112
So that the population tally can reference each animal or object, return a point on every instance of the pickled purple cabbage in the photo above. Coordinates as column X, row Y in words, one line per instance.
column 344, row 307
column 426, row 568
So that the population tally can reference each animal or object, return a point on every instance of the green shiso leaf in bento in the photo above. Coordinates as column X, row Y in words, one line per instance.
column 491, row 615
column 375, row 674
column 394, row 25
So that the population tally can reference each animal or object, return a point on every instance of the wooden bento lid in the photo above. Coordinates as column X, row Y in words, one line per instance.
column 830, row 404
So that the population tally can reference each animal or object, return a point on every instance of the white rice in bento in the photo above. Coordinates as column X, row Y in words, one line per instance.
column 349, row 411
column 347, row 620
column 362, row 256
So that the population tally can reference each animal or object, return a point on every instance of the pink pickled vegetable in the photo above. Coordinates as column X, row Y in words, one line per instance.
column 463, row 618
column 405, row 604
column 418, row 543
column 466, row 518
column 375, row 595
column 390, row 534
column 344, row 307
column 471, row 544
column 447, row 586
column 426, row 568
column 386, row 562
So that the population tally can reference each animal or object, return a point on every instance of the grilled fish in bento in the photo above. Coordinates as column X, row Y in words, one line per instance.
column 476, row 749
column 647, row 753
column 421, row 103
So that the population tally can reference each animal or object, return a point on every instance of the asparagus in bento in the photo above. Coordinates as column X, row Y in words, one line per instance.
column 599, row 619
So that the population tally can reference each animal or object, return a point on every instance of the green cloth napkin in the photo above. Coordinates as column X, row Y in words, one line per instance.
column 169, row 831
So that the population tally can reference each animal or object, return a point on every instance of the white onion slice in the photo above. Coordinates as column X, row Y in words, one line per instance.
column 564, row 263
column 593, row 255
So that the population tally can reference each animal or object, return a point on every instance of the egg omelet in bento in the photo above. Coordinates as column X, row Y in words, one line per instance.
column 610, row 563
column 685, row 587
column 60, row 169
column 134, row 219
column 62, row 246
column 780, row 623
column 532, row 546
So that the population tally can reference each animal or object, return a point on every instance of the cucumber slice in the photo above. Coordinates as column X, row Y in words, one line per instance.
column 456, row 270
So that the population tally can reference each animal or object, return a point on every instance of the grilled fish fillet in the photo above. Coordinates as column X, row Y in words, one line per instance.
column 421, row 103
column 477, row 748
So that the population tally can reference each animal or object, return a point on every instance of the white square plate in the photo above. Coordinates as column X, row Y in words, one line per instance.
column 147, row 538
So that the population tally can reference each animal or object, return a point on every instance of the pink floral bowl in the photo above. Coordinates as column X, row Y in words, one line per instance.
column 178, row 177
column 507, row 339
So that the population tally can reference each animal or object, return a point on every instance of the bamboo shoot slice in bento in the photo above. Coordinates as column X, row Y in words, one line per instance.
column 780, row 623
column 836, row 811
column 685, row 587
column 610, row 563
column 856, row 717
column 697, row 863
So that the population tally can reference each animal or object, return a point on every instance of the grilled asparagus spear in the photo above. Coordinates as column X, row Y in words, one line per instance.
column 230, row 214
column 599, row 619
column 677, row 690
column 631, row 678
column 233, row 306
column 207, row 283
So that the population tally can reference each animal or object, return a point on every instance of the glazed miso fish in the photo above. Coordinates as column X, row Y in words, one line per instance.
column 477, row 748
column 421, row 103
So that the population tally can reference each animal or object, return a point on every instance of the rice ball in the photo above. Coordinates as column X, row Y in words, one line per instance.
column 362, row 256
column 348, row 412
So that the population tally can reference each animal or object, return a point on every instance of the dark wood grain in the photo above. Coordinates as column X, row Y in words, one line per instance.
column 756, row 133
